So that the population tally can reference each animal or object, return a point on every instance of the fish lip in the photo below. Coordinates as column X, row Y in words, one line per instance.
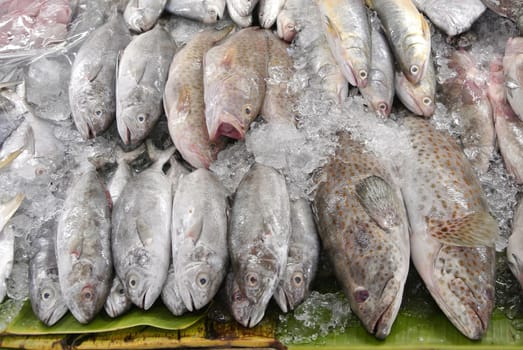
column 227, row 126
column 381, row 328
column 55, row 315
column 187, row 298
column 282, row 300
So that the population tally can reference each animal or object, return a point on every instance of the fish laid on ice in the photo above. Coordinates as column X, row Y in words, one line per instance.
column 513, row 70
column 141, row 222
column 258, row 241
column 93, row 75
column 268, row 11
column 408, row 33
column 364, row 228
column 141, row 15
column 184, row 101
column 123, row 171
column 379, row 91
column 419, row 98
column 509, row 128
column 453, row 17
column 515, row 245
column 453, row 234
column 83, row 247
column 302, row 259
column 7, row 241
column 199, row 237
column 347, row 29
column 117, row 302
column 142, row 74
column 47, row 300
column 465, row 95
column 199, row 10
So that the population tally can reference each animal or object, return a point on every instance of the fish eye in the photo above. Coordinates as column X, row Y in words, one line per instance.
column 237, row 296
column 247, row 109
column 87, row 295
column 121, row 291
column 427, row 101
column 132, row 281
column 202, row 279
column 363, row 74
column 361, row 294
column 47, row 294
column 141, row 118
column 98, row 113
column 252, row 279
column 382, row 106
column 414, row 69
column 297, row 279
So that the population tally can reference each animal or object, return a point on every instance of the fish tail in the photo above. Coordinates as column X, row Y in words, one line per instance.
column 159, row 157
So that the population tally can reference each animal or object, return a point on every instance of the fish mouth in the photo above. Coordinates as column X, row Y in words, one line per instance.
column 86, row 129
column 282, row 300
column 55, row 315
column 253, row 317
column 227, row 126
column 110, row 309
column 188, row 300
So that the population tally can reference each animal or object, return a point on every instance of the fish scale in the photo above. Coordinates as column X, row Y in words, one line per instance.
column 513, row 71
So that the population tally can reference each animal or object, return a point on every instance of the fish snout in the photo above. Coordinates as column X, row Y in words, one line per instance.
column 226, row 124
column 55, row 315
column 281, row 299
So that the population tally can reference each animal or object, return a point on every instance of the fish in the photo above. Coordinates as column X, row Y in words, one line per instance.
column 142, row 73
column 408, row 34
column 419, row 98
column 465, row 95
column 513, row 71
column 242, row 7
column 452, row 17
column 286, row 26
column 8, row 159
column 234, row 82
column 347, row 29
column 258, row 239
column 141, row 240
column 83, row 247
column 123, row 171
column 453, row 233
column 508, row 127
column 47, row 300
column 117, row 302
column 512, row 9
column 170, row 295
column 7, row 241
column 199, row 237
column 241, row 21
column 379, row 92
column 175, row 173
column 333, row 82
column 515, row 245
column 302, row 259
column 141, row 16
column 268, row 11
column 364, row 229
column 93, row 75
column 200, row 10
column 184, row 101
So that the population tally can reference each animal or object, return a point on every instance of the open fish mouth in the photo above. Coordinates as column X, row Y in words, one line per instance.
column 226, row 125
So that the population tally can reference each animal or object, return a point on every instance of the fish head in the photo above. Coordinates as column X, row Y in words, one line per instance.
column 117, row 302
column 245, row 312
column 213, row 11
column 418, row 98
column 48, row 302
column 135, row 123
column 355, row 66
column 286, row 26
column 91, row 115
column 293, row 287
column 170, row 296
column 200, row 277
column 258, row 278
column 142, row 286
column 140, row 18
column 416, row 58
column 380, row 96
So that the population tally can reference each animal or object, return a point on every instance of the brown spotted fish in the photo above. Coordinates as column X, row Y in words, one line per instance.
column 364, row 229
column 453, row 234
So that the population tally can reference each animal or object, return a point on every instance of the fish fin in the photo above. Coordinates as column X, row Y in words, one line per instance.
column 472, row 230
column 130, row 156
column 229, row 58
column 331, row 28
column 425, row 27
column 194, row 231
column 379, row 201
column 138, row 73
column 159, row 157
column 183, row 105
column 144, row 233
column 93, row 70
column 8, row 209
column 10, row 157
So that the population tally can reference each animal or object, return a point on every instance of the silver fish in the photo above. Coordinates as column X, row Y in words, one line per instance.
column 200, row 10
column 142, row 15
column 123, row 171
column 513, row 71
column 199, row 237
column 83, row 247
column 242, row 7
column 453, row 234
column 419, row 98
column 141, row 231
column 258, row 241
column 142, row 74
column 117, row 302
column 92, row 85
column 47, row 300
column 302, row 260
column 515, row 245
column 170, row 296
column 7, row 241
column 241, row 21
column 268, row 11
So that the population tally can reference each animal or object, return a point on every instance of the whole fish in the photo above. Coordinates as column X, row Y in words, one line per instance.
column 268, row 11
column 83, row 247
column 47, row 300
column 142, row 74
column 184, row 101
column 7, row 241
column 142, row 15
column 302, row 259
column 364, row 228
column 333, row 82
column 408, row 33
column 452, row 17
column 199, row 237
column 379, row 91
column 509, row 128
column 466, row 97
column 123, row 171
column 141, row 231
column 347, row 29
column 117, row 302
column 200, row 10
column 170, row 295
column 513, row 70
column 419, row 98
column 241, row 21
column 92, row 84
column 512, row 9
column 242, row 7
column 453, row 234
column 259, row 234
column 234, row 82
column 515, row 245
